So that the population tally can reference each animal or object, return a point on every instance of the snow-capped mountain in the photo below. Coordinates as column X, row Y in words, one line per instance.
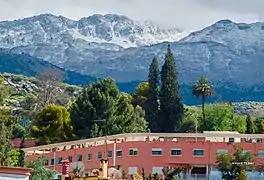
column 110, row 29
column 112, row 45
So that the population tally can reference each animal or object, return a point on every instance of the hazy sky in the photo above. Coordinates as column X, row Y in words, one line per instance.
column 187, row 14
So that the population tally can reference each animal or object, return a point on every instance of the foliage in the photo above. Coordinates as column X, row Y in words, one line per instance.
column 234, row 166
column 172, row 174
column 140, row 97
column 6, row 127
column 249, row 125
column 203, row 88
column 190, row 123
column 52, row 124
column 39, row 171
column 221, row 117
column 259, row 125
column 102, row 100
column 153, row 105
column 171, row 106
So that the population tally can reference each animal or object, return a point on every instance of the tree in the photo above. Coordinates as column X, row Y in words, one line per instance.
column 233, row 166
column 140, row 97
column 190, row 124
column 4, row 91
column 249, row 125
column 152, row 104
column 6, row 127
column 259, row 125
column 102, row 100
column 52, row 124
column 171, row 106
column 39, row 169
column 50, row 81
column 203, row 88
column 221, row 117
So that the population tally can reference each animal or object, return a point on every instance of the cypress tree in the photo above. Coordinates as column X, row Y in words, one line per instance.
column 171, row 107
column 249, row 125
column 152, row 104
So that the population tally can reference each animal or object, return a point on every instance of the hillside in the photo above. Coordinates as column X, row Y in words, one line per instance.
column 21, row 87
column 29, row 66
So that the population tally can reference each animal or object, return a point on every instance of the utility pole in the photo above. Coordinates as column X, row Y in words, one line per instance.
column 105, row 121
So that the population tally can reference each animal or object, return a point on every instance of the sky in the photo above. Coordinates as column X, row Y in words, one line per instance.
column 184, row 14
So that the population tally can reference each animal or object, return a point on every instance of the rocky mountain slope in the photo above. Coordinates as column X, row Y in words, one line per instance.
column 224, row 51
column 114, row 31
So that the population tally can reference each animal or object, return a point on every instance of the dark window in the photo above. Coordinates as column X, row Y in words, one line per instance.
column 70, row 158
column 89, row 157
column 156, row 152
column 231, row 139
column 176, row 152
column 133, row 152
column 59, row 160
column 198, row 152
column 79, row 157
column 109, row 154
column 119, row 153
column 99, row 155
column 52, row 162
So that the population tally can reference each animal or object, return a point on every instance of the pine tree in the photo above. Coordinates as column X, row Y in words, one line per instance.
column 171, row 107
column 152, row 104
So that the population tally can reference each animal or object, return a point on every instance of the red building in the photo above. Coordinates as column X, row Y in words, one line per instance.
column 151, row 151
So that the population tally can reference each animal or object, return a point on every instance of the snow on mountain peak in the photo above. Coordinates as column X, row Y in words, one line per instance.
column 239, row 36
column 110, row 28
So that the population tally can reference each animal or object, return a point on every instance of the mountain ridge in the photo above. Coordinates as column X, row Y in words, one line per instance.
column 229, row 53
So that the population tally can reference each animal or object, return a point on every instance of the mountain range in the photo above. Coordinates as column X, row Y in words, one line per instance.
column 230, row 54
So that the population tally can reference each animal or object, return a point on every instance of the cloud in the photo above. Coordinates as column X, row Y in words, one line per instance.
column 188, row 14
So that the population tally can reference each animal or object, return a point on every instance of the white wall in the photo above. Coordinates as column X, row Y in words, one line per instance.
column 13, row 177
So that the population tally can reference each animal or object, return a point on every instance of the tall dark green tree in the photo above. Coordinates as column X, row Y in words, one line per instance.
column 249, row 125
column 171, row 106
column 152, row 104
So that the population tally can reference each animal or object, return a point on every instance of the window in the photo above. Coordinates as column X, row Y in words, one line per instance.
column 59, row 160
column 109, row 154
column 156, row 152
column 99, row 155
column 70, row 158
column 261, row 153
column 231, row 139
column 246, row 152
column 133, row 152
column 46, row 162
column 79, row 157
column 176, row 152
column 221, row 151
column 157, row 170
column 198, row 152
column 119, row 153
column 52, row 162
column 89, row 157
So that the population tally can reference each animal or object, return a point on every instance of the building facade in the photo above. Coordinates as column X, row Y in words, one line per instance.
column 132, row 152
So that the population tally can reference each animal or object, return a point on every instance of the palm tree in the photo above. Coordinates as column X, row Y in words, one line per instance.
column 203, row 88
